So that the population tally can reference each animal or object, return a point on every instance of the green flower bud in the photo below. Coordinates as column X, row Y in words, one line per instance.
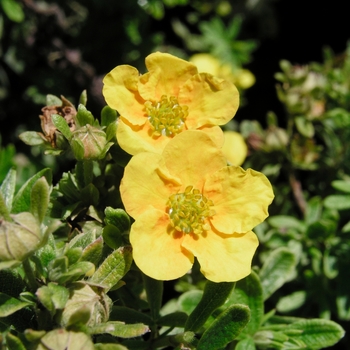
column 89, row 142
column 19, row 238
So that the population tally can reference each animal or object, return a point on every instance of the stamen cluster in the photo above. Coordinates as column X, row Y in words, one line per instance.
column 166, row 117
column 189, row 211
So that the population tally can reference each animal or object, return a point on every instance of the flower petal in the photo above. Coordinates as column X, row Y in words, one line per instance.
column 166, row 74
column 121, row 93
column 223, row 258
column 146, row 182
column 157, row 247
column 215, row 133
column 191, row 156
column 134, row 139
column 234, row 147
column 240, row 197
column 210, row 100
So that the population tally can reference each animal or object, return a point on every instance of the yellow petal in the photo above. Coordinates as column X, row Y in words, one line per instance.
column 120, row 91
column 240, row 197
column 223, row 258
column 166, row 74
column 134, row 139
column 191, row 156
column 234, row 148
column 215, row 133
column 146, row 182
column 210, row 100
column 157, row 248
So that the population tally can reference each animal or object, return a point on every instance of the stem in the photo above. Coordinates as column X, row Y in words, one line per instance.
column 298, row 193
column 27, row 267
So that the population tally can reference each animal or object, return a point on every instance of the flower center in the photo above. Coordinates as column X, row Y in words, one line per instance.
column 188, row 211
column 166, row 117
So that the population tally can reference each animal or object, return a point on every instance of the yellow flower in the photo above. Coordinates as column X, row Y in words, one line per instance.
column 170, row 98
column 243, row 78
column 187, row 203
column 235, row 149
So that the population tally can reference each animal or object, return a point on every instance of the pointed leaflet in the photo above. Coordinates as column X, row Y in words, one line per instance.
column 21, row 202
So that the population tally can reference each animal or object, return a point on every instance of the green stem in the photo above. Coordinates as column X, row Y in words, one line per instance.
column 27, row 267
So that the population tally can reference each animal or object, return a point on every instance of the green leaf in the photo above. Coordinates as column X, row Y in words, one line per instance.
column 340, row 185
column 154, row 292
column 4, row 211
column 316, row 333
column 106, row 346
column 113, row 268
column 62, row 125
column 9, row 305
column 225, row 328
column 93, row 252
column 83, row 98
column 39, row 199
column 13, row 10
column 174, row 319
column 84, row 116
column 246, row 344
column 7, row 189
column 337, row 201
column 305, row 127
column 313, row 210
column 84, row 172
column 215, row 294
column 53, row 297
column 291, row 302
column 21, row 202
column 52, row 100
column 112, row 236
column 90, row 195
column 128, row 315
column 14, row 343
column 60, row 339
column 276, row 270
column 286, row 222
column 108, row 116
column 119, row 329
column 117, row 217
column 189, row 300
column 31, row 138
column 248, row 291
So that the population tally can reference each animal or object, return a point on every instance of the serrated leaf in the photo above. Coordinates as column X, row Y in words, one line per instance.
column 62, row 125
column 7, row 189
column 60, row 339
column 21, row 202
column 119, row 329
column 225, row 328
column 337, row 201
column 39, row 199
column 248, row 291
column 113, row 268
column 9, row 305
column 276, row 270
column 215, row 294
